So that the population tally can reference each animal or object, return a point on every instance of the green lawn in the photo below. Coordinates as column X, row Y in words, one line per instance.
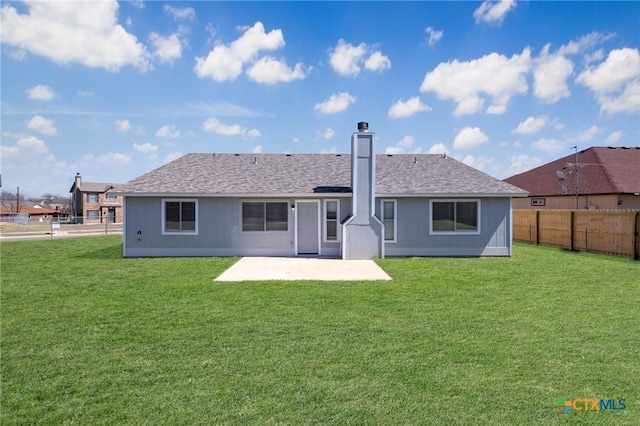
column 90, row 338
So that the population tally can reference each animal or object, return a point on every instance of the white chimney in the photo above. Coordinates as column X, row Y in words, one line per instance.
column 363, row 232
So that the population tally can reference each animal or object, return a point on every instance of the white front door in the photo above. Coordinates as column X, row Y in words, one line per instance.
column 308, row 226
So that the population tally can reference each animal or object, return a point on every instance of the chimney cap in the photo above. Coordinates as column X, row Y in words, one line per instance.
column 363, row 126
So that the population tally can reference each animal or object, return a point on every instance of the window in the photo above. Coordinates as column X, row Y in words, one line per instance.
column 331, row 209
column 263, row 216
column 110, row 196
column 179, row 217
column 93, row 214
column 388, row 213
column 537, row 201
column 92, row 197
column 455, row 217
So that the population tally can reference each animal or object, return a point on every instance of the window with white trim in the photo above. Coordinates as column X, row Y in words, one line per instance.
column 331, row 213
column 93, row 214
column 92, row 197
column 179, row 217
column 265, row 216
column 388, row 213
column 455, row 217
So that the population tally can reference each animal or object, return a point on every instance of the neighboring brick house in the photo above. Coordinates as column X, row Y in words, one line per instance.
column 603, row 177
column 91, row 202
column 33, row 213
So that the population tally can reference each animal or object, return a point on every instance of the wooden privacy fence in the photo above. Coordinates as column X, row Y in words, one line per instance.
column 602, row 231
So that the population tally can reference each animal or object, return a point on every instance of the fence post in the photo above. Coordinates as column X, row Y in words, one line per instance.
column 537, row 226
column 636, row 231
column 571, row 230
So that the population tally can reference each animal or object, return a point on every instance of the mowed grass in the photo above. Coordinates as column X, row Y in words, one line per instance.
column 91, row 338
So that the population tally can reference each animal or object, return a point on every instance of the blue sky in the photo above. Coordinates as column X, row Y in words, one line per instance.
column 115, row 89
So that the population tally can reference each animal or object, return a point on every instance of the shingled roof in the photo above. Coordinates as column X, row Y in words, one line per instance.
column 303, row 174
column 601, row 170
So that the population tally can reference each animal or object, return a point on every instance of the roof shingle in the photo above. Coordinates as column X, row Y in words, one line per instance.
column 256, row 174
column 601, row 170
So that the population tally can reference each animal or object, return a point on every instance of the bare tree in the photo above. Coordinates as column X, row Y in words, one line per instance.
column 12, row 202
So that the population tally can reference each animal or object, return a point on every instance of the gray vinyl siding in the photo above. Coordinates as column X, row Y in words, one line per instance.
column 413, row 237
column 219, row 231
column 334, row 248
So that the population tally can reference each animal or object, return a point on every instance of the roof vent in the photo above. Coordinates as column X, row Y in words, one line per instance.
column 415, row 160
column 237, row 155
column 288, row 155
column 363, row 126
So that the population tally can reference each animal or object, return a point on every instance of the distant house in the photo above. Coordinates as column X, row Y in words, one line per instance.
column 602, row 177
column 33, row 213
column 357, row 206
column 93, row 202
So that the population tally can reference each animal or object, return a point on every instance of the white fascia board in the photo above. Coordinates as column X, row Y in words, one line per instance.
column 453, row 195
column 235, row 195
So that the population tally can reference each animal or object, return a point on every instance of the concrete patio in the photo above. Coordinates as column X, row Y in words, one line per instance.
column 295, row 269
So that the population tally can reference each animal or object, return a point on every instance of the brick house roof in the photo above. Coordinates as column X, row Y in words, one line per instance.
column 273, row 174
column 601, row 170
column 29, row 210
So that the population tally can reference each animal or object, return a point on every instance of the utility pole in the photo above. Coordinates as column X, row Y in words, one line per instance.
column 18, row 200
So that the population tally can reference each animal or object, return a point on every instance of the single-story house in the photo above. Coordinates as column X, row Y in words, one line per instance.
column 357, row 206
column 31, row 213
column 594, row 178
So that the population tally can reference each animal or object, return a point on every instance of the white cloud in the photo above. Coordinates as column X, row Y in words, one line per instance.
column 145, row 148
column 225, row 62
column 213, row 125
column 296, row 139
column 74, row 32
column 327, row 134
column 337, row 102
column 408, row 108
column 496, row 75
column 628, row 101
column 531, row 125
column 438, row 148
column 434, row 35
column 616, row 81
column 180, row 13
column 614, row 138
column 166, row 49
column 85, row 93
column 123, row 125
column 29, row 152
column 394, row 150
column 596, row 56
column 377, row 62
column 403, row 146
column 493, row 12
column 172, row 156
column 41, row 93
column 347, row 59
column 480, row 163
column 32, row 144
column 331, row 150
column 550, row 146
column 114, row 159
column 550, row 76
column 168, row 131
column 257, row 149
column 469, row 137
column 42, row 125
column 588, row 134
column 269, row 70
column 522, row 163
